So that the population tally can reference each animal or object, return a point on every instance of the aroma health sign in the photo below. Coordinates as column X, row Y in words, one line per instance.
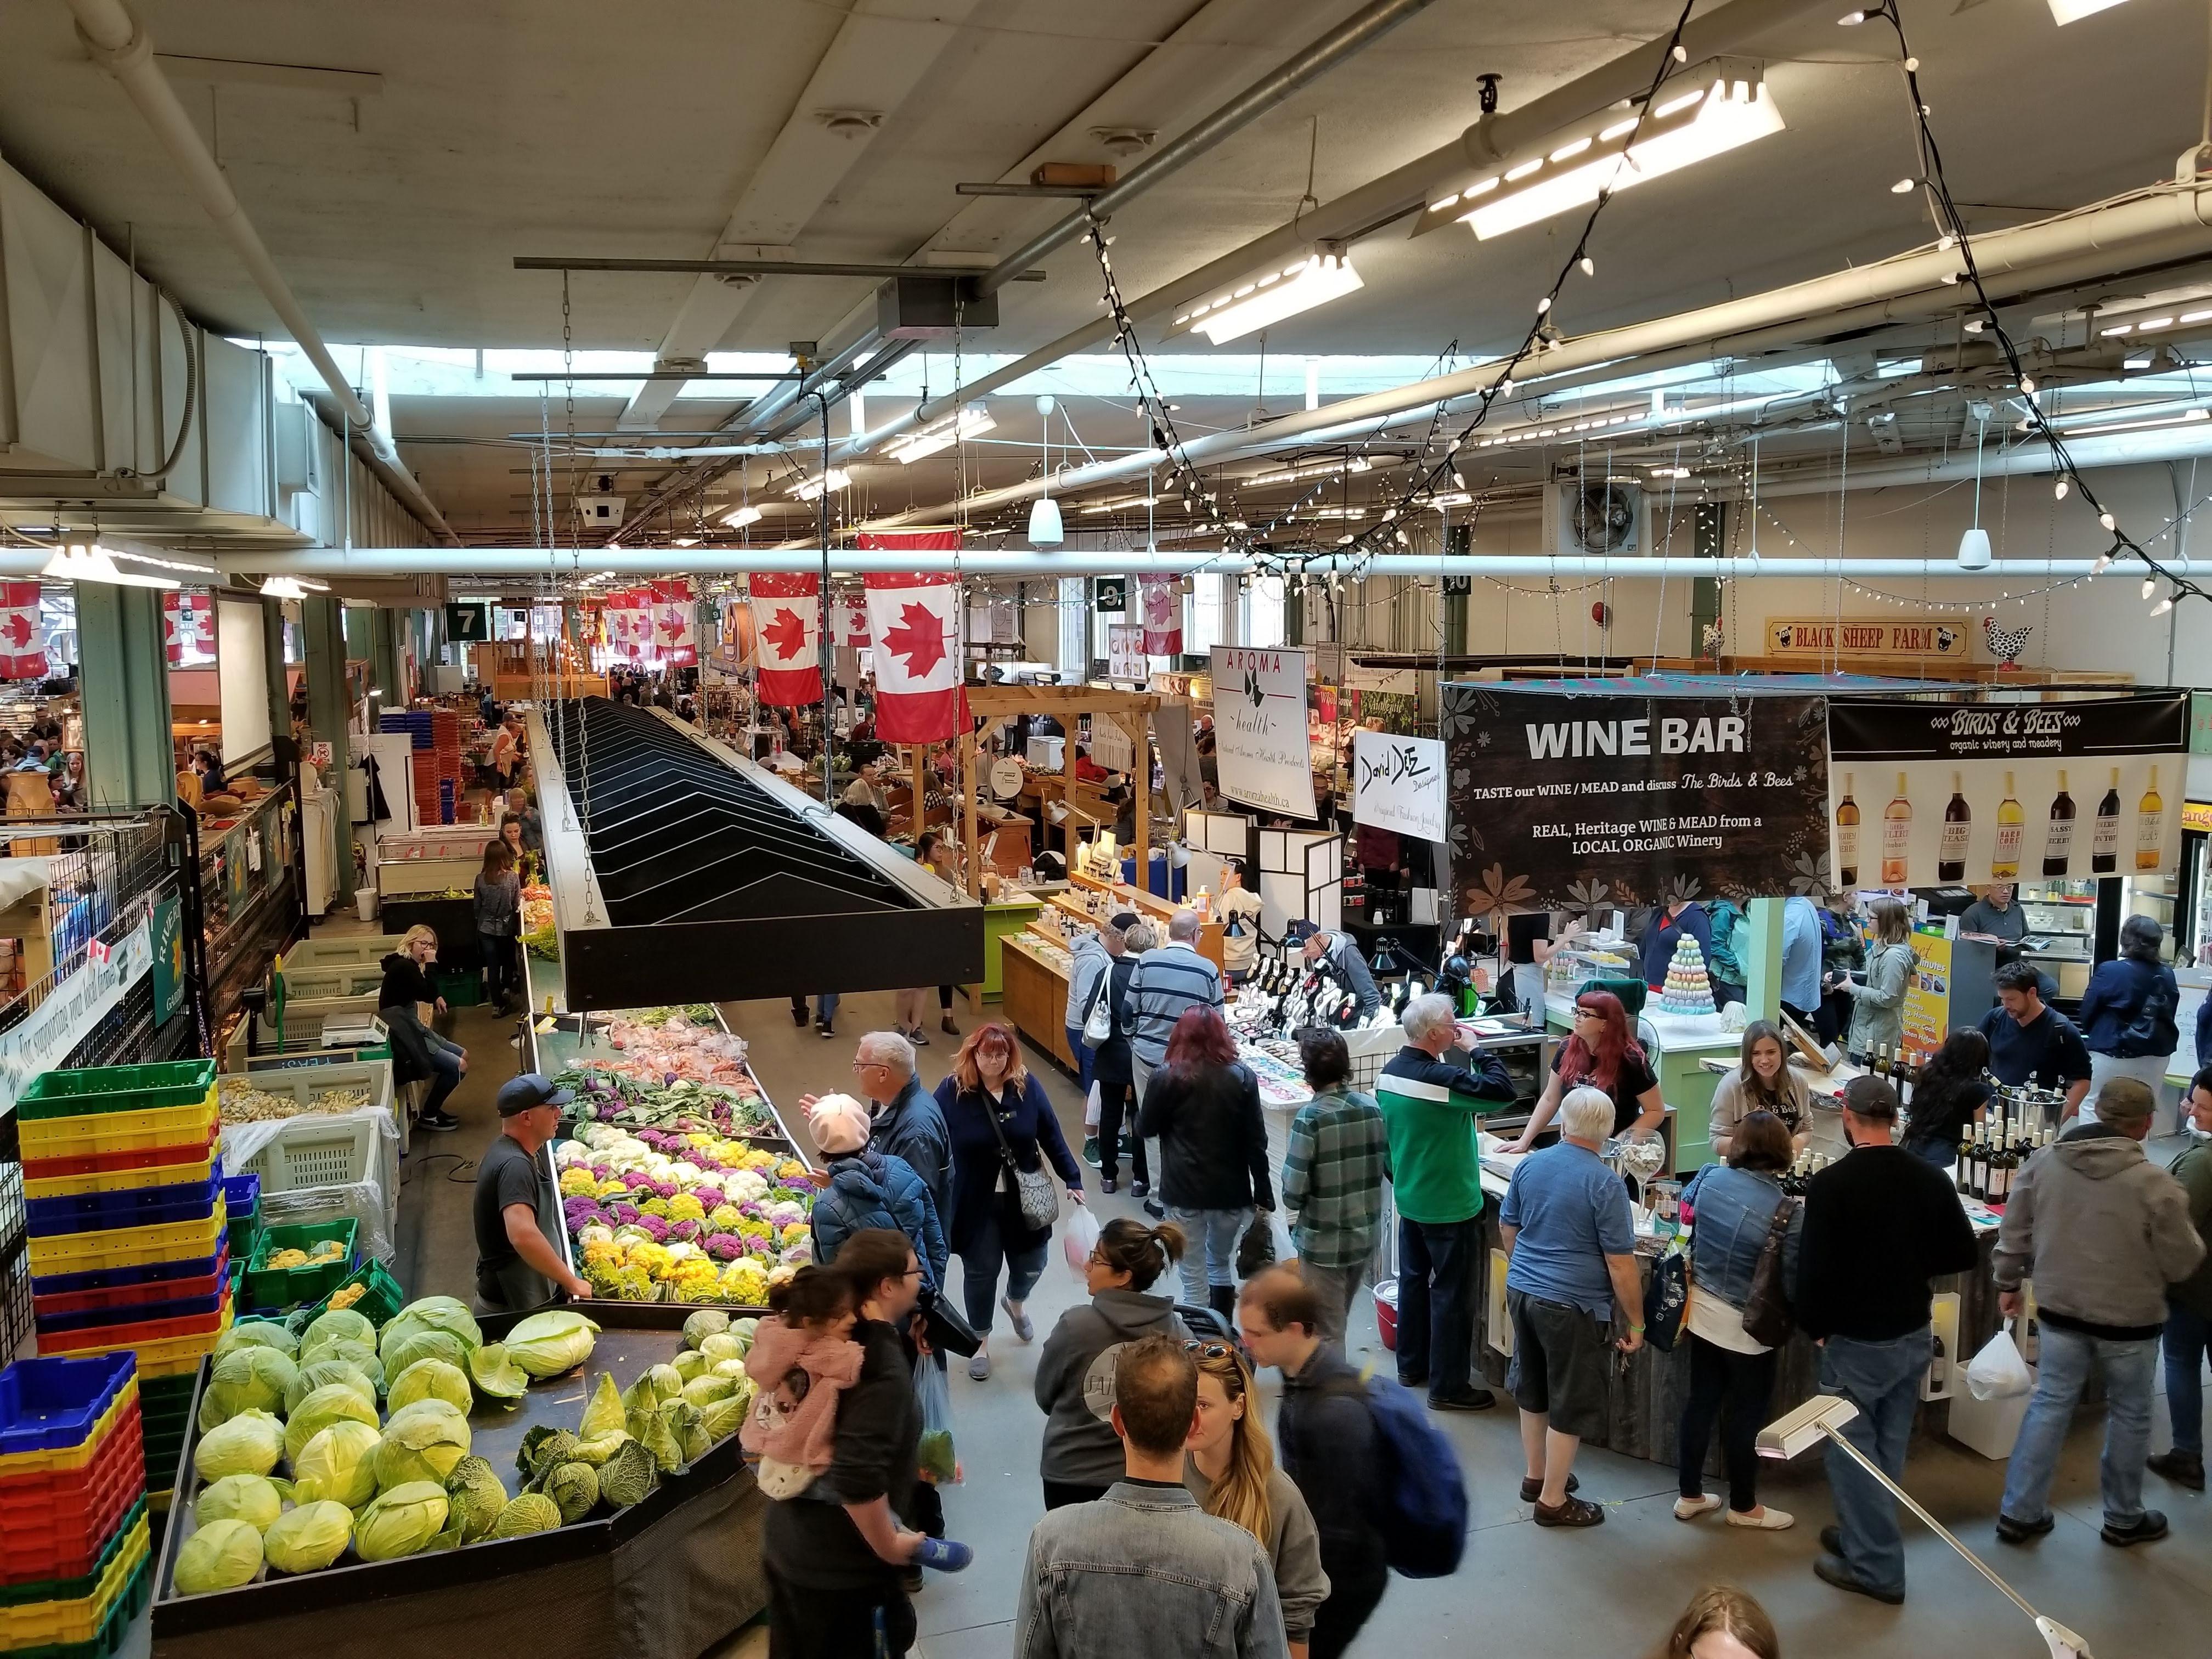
column 1585, row 801
column 1259, row 728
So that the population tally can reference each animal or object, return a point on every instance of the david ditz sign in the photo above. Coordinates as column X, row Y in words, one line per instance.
column 1927, row 794
column 1583, row 802
column 1259, row 728
column 1398, row 783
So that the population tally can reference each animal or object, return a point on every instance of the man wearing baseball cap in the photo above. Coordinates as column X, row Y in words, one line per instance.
column 517, row 1209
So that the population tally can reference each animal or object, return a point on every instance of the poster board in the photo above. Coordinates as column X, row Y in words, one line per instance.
column 1926, row 794
column 1264, row 754
column 1125, row 653
column 1398, row 783
column 1927, row 996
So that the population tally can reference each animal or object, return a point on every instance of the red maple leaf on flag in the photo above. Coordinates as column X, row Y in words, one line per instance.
column 787, row 633
column 19, row 629
column 919, row 637
column 673, row 626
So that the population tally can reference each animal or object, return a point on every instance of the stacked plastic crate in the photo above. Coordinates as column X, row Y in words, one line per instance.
column 446, row 742
column 74, row 1531
column 130, row 1230
column 417, row 723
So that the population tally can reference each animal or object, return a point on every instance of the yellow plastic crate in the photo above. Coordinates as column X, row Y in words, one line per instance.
column 121, row 1181
column 44, row 1623
column 64, row 1458
column 99, row 1132
column 175, row 1357
column 130, row 1247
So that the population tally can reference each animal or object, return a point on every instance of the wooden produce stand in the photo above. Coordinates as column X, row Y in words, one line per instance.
column 1151, row 906
column 1131, row 710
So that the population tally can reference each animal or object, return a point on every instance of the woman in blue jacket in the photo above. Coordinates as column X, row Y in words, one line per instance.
column 1731, row 1376
column 862, row 1190
column 2126, row 1016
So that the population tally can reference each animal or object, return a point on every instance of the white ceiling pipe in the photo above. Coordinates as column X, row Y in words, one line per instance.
column 119, row 43
column 2026, row 456
column 2163, row 218
column 1391, row 197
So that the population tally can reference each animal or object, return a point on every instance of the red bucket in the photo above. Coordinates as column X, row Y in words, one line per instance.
column 1386, row 1313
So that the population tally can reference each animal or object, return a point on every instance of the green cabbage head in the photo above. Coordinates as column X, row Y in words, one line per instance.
column 707, row 1321
column 603, row 1413
column 253, row 1498
column 335, row 1325
column 320, row 1373
column 258, row 1333
column 434, row 1313
column 337, row 1465
column 334, row 1402
column 309, row 1538
column 430, row 1379
column 219, row 1556
column 496, row 1376
column 477, row 1496
column 246, row 1379
column 422, row 1442
column 422, row 1344
column 400, row 1522
column 547, row 1344
column 247, row 1444
column 716, row 1349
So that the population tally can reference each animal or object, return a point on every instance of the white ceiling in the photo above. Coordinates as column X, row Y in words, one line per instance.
column 570, row 127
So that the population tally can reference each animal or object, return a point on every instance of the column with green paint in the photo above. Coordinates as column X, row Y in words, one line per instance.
column 123, row 647
column 329, row 710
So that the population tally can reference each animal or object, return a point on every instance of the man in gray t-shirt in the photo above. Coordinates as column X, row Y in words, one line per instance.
column 1996, row 914
column 517, row 1208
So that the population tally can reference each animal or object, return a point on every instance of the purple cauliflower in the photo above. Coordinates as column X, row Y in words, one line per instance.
column 725, row 1247
column 654, row 1225
column 687, row 1231
column 624, row 1214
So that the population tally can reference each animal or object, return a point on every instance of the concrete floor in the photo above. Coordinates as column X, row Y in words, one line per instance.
column 1611, row 1590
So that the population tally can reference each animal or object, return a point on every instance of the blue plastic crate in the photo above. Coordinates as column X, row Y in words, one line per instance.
column 109, row 1279
column 243, row 1194
column 52, row 1405
column 136, row 1313
column 135, row 1206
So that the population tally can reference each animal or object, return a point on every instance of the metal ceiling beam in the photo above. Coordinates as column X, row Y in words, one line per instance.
column 760, row 267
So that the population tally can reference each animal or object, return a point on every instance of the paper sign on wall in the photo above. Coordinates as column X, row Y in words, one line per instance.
column 1398, row 783
column 1125, row 653
column 1259, row 728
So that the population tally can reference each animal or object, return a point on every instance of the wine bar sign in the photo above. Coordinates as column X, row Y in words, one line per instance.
column 1925, row 794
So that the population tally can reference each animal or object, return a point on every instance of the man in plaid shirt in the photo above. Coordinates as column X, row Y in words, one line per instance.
column 1332, row 1180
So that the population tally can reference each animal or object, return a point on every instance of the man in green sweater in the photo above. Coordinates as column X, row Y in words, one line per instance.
column 1430, row 1111
column 2189, row 1307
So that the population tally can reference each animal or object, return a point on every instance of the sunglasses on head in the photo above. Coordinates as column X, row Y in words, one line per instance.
column 1206, row 1350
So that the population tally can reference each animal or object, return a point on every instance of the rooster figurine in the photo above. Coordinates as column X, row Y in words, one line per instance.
column 2005, row 643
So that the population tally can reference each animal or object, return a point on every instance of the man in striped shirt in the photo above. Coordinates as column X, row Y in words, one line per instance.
column 1166, row 981
column 1431, row 1111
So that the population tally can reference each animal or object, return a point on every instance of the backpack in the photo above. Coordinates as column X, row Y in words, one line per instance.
column 2151, row 1031
column 1721, row 960
column 1423, row 1515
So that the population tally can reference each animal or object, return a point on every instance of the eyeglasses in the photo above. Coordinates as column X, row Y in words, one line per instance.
column 867, row 1065
column 912, row 1273
column 1206, row 1350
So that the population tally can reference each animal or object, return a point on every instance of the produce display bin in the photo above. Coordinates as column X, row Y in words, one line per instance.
column 116, row 1089
column 133, row 1207
column 54, row 1407
column 121, row 1300
column 317, row 1152
column 121, row 1178
column 676, row 1573
column 272, row 1289
column 303, row 1081
column 106, row 1134
column 129, row 1247
column 352, row 951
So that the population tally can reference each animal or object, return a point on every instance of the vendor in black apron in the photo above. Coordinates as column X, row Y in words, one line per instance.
column 518, row 1207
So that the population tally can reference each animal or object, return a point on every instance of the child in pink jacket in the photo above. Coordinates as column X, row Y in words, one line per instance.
column 803, row 1357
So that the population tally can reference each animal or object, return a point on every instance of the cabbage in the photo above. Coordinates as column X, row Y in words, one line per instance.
column 422, row 1442
column 258, row 1333
column 333, row 1402
column 628, row 1476
column 707, row 1321
column 705, row 1391
column 496, row 1376
column 576, row 1488
column 716, row 1349
column 474, row 1491
column 725, row 1417
column 248, row 1443
column 596, row 1452
column 533, row 1511
column 336, row 1325
column 430, row 1379
column 245, row 1379
column 359, row 1355
column 690, row 1365
column 667, row 1383
column 542, row 1446
column 323, row 1371
column 252, row 1498
column 742, row 1329
column 650, row 1427
column 401, row 1522
column 309, row 1538
column 421, row 1344
column 547, row 1344
column 732, row 1369
column 433, row 1313
column 337, row 1465
column 219, row 1556
column 603, row 1414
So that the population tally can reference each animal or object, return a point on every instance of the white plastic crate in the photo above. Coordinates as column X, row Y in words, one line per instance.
column 350, row 1149
column 314, row 1151
column 353, row 951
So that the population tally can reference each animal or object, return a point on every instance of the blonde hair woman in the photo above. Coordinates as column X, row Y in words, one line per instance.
column 417, row 1052
column 1878, row 1010
column 1230, row 1467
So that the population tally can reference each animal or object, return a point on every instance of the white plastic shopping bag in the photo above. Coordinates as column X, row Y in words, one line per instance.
column 1091, row 1108
column 1079, row 1237
column 1997, row 1371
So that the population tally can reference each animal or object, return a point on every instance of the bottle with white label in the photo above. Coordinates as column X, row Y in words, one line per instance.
column 1958, row 824
column 1896, row 834
column 2150, row 825
column 2004, row 862
column 1847, row 839
column 2105, row 839
column 2059, row 838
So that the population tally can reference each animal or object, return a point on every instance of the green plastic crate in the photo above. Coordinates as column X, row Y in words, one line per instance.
column 268, row 1290
column 461, row 987
column 380, row 1299
column 116, row 1089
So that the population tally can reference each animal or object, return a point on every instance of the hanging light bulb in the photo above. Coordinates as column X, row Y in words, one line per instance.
column 2149, row 587
column 1902, row 187
column 2104, row 563
column 1543, row 305
column 1589, row 265
column 2060, row 493
column 2108, row 521
column 2027, row 385
column 2162, row 606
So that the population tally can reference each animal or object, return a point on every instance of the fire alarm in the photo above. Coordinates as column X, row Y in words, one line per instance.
column 1602, row 614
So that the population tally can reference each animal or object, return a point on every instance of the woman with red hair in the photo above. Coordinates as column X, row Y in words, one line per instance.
column 1601, row 1053
column 1203, row 1104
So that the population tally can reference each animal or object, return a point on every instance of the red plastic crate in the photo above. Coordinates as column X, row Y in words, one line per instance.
column 131, row 1296
column 127, row 1436
column 40, row 1169
column 61, row 1536
column 132, row 1335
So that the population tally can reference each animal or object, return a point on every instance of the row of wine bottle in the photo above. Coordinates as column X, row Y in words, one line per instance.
column 1988, row 1163
column 2011, row 824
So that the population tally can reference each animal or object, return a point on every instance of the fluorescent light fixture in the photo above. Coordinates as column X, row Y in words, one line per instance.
column 685, row 541
column 2063, row 12
column 290, row 587
column 1723, row 104
column 742, row 517
column 807, row 489
column 1267, row 297
column 971, row 421
column 1122, row 505
column 160, row 563
column 1310, row 470
column 80, row 563
column 2144, row 422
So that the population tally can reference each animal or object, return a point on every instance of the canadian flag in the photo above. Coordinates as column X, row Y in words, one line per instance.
column 849, row 613
column 22, row 633
column 788, row 634
column 674, row 636
column 914, row 624
column 188, row 621
column 1163, row 608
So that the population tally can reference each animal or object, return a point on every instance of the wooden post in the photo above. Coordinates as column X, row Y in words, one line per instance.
column 968, row 810
column 1067, row 792
column 1139, row 735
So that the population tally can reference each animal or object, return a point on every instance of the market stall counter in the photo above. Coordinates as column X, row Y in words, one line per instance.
column 672, row 1572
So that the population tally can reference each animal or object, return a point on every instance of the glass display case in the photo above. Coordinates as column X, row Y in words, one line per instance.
column 2062, row 929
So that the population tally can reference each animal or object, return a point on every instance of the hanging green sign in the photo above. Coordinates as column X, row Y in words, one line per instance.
column 169, row 958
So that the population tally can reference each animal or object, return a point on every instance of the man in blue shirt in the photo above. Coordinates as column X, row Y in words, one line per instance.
column 1570, row 1249
column 2032, row 1042
column 1801, row 960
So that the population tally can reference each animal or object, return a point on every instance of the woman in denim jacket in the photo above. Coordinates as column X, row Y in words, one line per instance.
column 1731, row 1376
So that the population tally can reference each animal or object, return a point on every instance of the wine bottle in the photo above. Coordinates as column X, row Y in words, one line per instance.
column 1958, row 824
column 1896, row 833
column 2058, row 837
column 1847, row 839
column 2150, row 826
column 2105, row 839
column 2004, row 861
column 2000, row 1169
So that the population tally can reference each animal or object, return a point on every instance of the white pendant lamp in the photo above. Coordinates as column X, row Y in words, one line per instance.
column 1045, row 527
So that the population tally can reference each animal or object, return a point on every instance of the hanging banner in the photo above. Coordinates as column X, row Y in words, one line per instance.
column 733, row 649
column 1260, row 729
column 673, row 639
column 914, row 623
column 848, row 615
column 1161, row 598
column 22, row 633
column 1930, row 795
column 1398, row 783
column 787, row 630
column 188, row 627
column 1583, row 802
column 1927, row 996
column 48, row 1033
column 1125, row 653
column 1942, row 638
